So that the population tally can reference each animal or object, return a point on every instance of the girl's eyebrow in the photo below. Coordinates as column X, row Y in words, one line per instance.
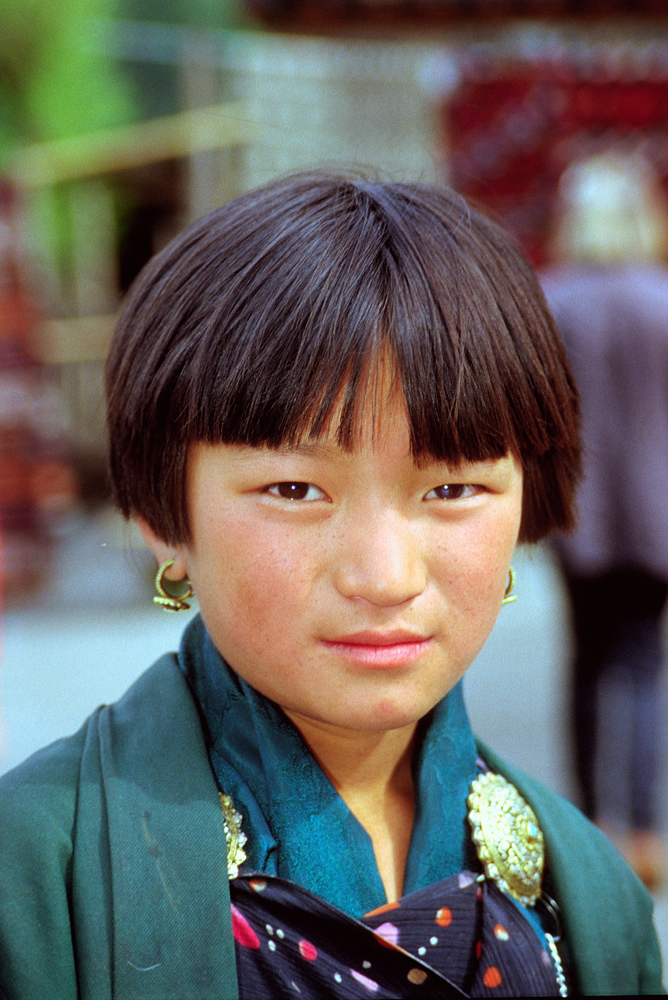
column 309, row 449
column 330, row 449
column 305, row 449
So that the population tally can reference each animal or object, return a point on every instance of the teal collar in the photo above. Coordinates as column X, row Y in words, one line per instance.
column 297, row 825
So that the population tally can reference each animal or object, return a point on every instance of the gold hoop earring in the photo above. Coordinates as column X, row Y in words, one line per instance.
column 170, row 602
column 508, row 596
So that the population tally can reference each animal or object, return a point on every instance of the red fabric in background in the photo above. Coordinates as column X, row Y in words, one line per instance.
column 512, row 127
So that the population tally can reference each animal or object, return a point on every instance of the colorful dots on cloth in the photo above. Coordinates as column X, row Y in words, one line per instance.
column 307, row 951
column 385, row 908
column 492, row 978
column 368, row 984
column 462, row 932
column 388, row 932
column 242, row 931
column 465, row 879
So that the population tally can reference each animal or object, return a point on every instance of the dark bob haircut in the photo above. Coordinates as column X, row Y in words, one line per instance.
column 265, row 320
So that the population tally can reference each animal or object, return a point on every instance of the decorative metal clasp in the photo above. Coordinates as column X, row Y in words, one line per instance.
column 508, row 839
column 234, row 835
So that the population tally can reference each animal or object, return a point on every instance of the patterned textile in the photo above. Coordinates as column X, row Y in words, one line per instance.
column 459, row 937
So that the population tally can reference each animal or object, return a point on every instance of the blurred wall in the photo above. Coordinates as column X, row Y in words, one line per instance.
column 328, row 102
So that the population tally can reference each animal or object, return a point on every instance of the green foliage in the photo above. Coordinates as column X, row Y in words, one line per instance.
column 54, row 82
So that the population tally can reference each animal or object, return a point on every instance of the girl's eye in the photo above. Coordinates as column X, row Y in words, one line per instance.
column 453, row 491
column 296, row 491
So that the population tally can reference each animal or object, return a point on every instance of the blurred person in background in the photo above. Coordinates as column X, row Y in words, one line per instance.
column 609, row 295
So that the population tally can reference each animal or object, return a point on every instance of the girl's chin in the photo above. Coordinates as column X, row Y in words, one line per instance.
column 365, row 719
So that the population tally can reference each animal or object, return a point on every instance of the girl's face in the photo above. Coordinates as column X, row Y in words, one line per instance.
column 353, row 589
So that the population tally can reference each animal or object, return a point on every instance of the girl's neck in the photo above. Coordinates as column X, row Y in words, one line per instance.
column 372, row 772
column 363, row 764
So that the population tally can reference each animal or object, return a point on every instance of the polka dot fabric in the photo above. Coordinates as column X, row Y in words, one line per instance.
column 459, row 937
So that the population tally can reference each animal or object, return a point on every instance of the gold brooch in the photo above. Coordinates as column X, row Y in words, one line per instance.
column 234, row 835
column 508, row 839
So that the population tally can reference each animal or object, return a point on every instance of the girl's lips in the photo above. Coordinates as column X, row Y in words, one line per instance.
column 391, row 649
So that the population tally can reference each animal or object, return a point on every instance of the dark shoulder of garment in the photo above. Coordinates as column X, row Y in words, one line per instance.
column 37, row 809
column 113, row 874
column 606, row 911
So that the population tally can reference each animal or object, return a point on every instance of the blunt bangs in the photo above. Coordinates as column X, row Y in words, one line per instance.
column 273, row 318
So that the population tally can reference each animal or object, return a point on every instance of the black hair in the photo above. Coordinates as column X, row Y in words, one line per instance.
column 272, row 314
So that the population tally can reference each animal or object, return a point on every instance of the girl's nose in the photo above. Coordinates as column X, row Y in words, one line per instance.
column 380, row 561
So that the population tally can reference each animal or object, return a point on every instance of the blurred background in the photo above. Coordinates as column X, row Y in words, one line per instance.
column 123, row 120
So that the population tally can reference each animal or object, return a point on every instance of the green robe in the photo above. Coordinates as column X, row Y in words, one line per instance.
column 113, row 876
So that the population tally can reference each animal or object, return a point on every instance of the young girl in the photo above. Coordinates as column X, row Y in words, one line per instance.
column 334, row 407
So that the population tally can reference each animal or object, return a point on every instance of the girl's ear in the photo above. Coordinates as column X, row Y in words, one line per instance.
column 163, row 551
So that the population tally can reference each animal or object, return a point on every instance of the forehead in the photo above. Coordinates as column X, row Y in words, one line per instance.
column 383, row 453
column 381, row 427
